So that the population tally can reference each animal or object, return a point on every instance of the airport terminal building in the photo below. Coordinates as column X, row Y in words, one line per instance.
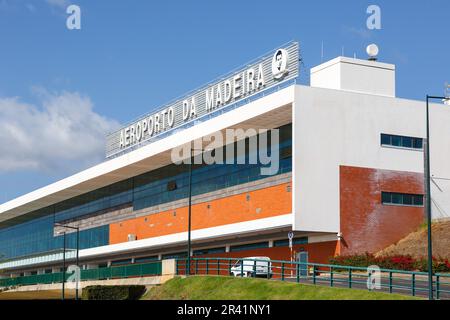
column 348, row 176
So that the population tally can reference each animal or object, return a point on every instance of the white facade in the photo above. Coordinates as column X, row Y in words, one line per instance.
column 338, row 121
column 355, row 75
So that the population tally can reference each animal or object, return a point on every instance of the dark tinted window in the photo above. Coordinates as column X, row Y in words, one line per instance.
column 408, row 199
column 391, row 198
column 396, row 141
column 407, row 142
column 175, row 255
column 209, row 251
column 418, row 200
column 418, row 143
column 401, row 141
column 397, row 198
column 121, row 262
column 386, row 197
column 145, row 259
column 285, row 242
column 385, row 139
column 249, row 246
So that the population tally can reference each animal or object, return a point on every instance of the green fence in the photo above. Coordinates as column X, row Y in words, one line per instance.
column 116, row 272
column 391, row 281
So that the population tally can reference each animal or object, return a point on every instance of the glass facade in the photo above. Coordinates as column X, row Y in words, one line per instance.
column 36, row 236
column 33, row 233
column 151, row 189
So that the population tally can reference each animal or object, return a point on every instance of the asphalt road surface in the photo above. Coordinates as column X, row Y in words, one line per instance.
column 400, row 284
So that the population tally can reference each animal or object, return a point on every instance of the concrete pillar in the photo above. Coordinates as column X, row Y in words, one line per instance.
column 169, row 269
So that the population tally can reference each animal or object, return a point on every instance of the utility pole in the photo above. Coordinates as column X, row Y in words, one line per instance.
column 428, row 193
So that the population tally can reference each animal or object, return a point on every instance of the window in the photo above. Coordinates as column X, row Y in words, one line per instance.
column 121, row 262
column 171, row 185
column 401, row 199
column 202, row 252
column 145, row 259
column 418, row 143
column 285, row 242
column 174, row 255
column 401, row 141
column 249, row 246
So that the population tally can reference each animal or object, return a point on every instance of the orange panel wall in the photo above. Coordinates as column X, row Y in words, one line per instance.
column 263, row 203
column 366, row 224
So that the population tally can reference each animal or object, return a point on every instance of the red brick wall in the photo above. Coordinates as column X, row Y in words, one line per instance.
column 366, row 224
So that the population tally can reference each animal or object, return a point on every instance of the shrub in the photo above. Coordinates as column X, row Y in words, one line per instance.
column 359, row 260
column 399, row 262
column 113, row 292
column 439, row 265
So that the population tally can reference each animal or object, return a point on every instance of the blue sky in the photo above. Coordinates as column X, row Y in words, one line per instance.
column 132, row 56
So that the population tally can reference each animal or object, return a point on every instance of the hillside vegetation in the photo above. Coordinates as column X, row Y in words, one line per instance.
column 227, row 288
column 415, row 244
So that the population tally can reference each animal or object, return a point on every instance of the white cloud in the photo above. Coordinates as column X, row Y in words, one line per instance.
column 63, row 4
column 63, row 134
column 30, row 7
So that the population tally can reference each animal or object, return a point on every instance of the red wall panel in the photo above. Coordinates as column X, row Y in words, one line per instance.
column 366, row 224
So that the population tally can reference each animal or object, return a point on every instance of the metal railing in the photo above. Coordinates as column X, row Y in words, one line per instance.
column 412, row 283
column 116, row 272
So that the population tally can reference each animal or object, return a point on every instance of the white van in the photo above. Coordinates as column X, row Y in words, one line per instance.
column 252, row 267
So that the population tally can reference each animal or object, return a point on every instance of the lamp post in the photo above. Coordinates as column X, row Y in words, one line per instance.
column 1, row 260
column 428, row 195
column 64, row 255
column 64, row 265
column 188, row 269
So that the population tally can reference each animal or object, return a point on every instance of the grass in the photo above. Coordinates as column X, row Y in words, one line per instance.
column 225, row 288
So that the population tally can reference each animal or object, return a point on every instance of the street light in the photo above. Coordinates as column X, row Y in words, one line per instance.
column 428, row 205
column 188, row 271
column 64, row 264
column 64, row 255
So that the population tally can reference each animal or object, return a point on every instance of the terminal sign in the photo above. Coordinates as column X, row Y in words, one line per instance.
column 279, row 66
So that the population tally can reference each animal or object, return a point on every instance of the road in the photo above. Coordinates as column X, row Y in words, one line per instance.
column 400, row 284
